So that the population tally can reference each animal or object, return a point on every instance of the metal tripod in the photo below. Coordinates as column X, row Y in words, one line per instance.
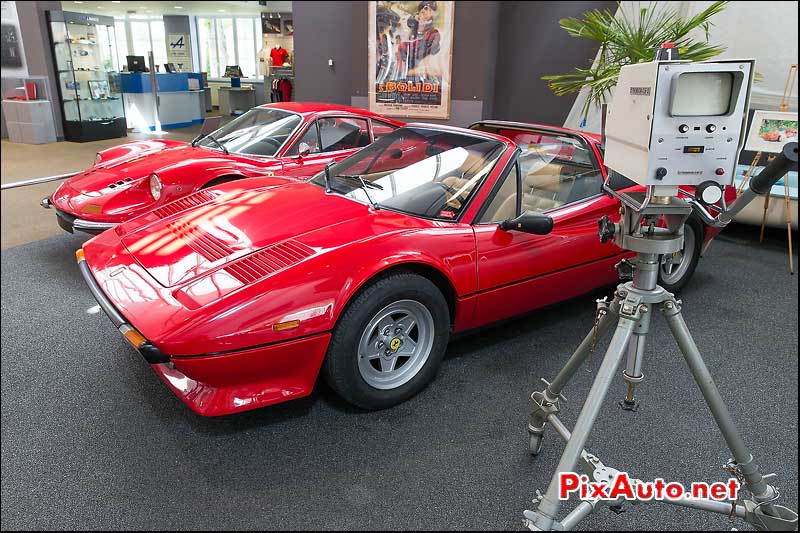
column 632, row 307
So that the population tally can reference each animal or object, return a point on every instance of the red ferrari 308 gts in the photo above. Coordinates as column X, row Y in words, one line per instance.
column 290, row 139
column 239, row 296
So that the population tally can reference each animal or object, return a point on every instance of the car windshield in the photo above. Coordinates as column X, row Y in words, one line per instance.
column 425, row 172
column 259, row 132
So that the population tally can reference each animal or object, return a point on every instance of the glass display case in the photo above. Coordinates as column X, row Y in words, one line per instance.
column 84, row 48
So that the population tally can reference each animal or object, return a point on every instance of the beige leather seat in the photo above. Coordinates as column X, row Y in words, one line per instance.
column 544, row 188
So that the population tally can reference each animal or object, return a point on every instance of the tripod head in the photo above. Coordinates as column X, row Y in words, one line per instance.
column 638, row 229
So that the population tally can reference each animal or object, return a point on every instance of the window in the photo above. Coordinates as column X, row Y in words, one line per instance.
column 227, row 41
column 342, row 133
column 416, row 170
column 246, row 47
column 381, row 129
column 207, row 45
column 121, row 35
column 504, row 203
column 140, row 35
column 310, row 138
column 259, row 132
column 158, row 42
column 556, row 170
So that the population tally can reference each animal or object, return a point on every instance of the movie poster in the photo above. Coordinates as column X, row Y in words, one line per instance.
column 410, row 58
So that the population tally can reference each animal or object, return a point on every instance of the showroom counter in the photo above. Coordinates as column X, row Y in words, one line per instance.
column 179, row 105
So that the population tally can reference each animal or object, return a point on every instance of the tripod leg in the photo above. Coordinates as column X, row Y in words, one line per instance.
column 745, row 463
column 544, row 402
column 633, row 371
column 548, row 508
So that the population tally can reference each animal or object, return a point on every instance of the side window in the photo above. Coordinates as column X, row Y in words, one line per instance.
column 310, row 138
column 557, row 170
column 339, row 133
column 381, row 129
column 504, row 203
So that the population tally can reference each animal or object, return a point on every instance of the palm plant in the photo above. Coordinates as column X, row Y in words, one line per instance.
column 624, row 39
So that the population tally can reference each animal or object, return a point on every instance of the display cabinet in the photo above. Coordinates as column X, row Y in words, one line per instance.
column 89, row 86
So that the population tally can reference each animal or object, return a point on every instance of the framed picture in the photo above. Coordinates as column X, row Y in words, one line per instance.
column 98, row 88
column 270, row 24
column 770, row 130
column 410, row 58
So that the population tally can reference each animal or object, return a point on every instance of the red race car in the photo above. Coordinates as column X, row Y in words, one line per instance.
column 291, row 139
column 240, row 296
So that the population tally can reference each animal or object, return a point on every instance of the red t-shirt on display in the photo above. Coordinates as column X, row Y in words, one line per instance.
column 279, row 56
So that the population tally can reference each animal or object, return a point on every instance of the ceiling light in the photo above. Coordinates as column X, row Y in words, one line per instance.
column 178, row 7
column 77, row 2
column 220, row 11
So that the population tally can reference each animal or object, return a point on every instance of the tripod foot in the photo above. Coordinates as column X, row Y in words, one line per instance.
column 616, row 509
column 628, row 405
column 786, row 521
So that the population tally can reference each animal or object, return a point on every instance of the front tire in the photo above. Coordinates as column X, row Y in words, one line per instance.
column 675, row 270
column 389, row 342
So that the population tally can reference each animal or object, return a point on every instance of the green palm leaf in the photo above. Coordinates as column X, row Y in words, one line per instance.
column 630, row 38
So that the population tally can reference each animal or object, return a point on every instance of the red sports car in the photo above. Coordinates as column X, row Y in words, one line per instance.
column 240, row 296
column 291, row 139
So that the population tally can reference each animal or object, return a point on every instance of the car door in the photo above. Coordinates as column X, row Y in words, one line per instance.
column 331, row 139
column 558, row 175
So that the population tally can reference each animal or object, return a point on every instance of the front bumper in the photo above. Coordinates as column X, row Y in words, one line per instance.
column 226, row 382
column 71, row 223
column 150, row 353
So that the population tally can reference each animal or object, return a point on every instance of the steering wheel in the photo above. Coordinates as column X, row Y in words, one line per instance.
column 271, row 141
column 455, row 200
column 451, row 190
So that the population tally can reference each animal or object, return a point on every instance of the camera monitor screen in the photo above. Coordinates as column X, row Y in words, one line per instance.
column 702, row 94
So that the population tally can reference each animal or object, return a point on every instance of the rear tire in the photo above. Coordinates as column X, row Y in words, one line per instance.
column 675, row 270
column 389, row 342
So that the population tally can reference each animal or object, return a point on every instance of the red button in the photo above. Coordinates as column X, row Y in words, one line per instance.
column 720, row 171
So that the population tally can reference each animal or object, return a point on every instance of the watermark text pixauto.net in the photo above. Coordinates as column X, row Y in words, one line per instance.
column 622, row 486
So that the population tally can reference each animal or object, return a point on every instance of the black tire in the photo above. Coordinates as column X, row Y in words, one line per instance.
column 693, row 231
column 341, row 366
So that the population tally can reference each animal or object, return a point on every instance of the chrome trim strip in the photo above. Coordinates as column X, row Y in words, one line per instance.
column 105, row 303
column 35, row 181
column 88, row 225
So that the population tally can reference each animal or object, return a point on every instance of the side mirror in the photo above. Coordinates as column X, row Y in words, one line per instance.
column 529, row 222
column 303, row 150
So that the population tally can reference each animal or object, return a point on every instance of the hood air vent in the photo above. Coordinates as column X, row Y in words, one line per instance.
column 268, row 261
column 182, row 204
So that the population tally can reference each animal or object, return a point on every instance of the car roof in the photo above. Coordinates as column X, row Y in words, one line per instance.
column 454, row 129
column 307, row 108
column 511, row 125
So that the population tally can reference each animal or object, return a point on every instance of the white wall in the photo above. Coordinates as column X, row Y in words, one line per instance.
column 766, row 31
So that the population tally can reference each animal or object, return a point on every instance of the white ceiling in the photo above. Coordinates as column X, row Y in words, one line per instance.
column 174, row 7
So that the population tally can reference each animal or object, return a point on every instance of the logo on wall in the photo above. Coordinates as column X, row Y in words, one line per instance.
column 410, row 58
column 178, row 49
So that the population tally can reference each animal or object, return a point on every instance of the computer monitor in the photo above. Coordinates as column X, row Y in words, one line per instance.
column 169, row 67
column 233, row 71
column 136, row 64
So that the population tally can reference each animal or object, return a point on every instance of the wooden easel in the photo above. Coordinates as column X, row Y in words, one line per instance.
column 788, row 89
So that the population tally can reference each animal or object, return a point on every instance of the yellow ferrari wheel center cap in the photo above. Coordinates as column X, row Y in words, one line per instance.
column 395, row 344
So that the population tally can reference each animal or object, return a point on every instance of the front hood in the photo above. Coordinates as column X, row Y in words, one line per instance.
column 127, row 170
column 274, row 219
